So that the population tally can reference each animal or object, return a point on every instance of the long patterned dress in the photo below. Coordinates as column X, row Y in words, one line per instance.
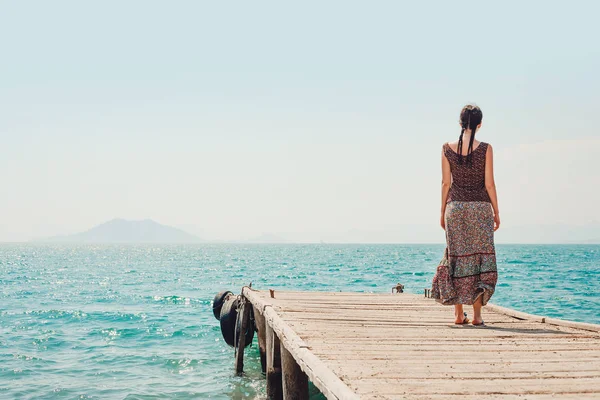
column 468, row 268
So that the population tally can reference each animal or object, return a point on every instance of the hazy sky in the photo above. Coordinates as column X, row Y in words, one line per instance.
column 314, row 120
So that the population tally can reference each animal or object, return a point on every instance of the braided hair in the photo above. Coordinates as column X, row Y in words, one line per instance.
column 470, row 118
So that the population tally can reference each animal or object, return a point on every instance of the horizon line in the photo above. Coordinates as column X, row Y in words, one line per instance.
column 204, row 242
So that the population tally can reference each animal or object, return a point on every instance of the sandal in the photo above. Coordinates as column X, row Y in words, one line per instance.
column 481, row 324
column 464, row 321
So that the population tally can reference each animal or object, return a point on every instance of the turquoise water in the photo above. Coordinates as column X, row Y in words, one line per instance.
column 135, row 322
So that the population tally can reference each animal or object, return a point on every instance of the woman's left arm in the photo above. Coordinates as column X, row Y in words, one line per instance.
column 490, row 185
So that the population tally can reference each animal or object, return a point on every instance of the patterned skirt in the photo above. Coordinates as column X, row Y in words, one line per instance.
column 468, row 269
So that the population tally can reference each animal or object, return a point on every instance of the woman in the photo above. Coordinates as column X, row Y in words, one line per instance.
column 467, row 274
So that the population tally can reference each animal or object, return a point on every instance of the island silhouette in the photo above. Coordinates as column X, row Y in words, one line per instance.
column 121, row 230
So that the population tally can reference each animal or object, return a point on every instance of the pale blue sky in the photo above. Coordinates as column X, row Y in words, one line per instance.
column 314, row 121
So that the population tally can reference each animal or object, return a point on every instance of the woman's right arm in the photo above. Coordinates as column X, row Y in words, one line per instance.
column 490, row 184
column 446, row 182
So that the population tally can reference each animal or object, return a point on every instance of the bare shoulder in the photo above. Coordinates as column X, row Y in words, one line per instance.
column 489, row 153
column 453, row 145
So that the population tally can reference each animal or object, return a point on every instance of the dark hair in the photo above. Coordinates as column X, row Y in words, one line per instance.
column 470, row 117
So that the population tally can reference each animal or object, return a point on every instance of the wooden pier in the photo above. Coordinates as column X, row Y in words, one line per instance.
column 395, row 346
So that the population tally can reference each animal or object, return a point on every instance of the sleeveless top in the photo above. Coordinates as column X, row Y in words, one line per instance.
column 468, row 180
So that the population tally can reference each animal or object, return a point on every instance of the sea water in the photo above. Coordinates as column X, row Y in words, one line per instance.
column 135, row 321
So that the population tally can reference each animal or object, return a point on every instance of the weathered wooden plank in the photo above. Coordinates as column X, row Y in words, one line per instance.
column 426, row 334
column 388, row 363
column 431, row 318
column 383, row 335
column 404, row 332
column 530, row 396
column 489, row 356
column 357, row 323
column 549, row 321
column 514, row 313
column 321, row 376
column 402, row 377
column 241, row 344
column 390, row 369
column 429, row 343
column 478, row 386
column 407, row 330
column 392, row 346
column 295, row 381
column 376, row 348
column 262, row 338
column 573, row 324
column 274, row 382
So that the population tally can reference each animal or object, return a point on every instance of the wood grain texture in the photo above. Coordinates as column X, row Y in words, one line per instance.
column 274, row 381
column 393, row 346
column 295, row 381
column 261, row 331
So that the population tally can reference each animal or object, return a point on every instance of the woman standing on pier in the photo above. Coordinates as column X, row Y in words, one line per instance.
column 467, row 273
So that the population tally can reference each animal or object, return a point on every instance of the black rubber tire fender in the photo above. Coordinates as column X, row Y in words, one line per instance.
column 228, row 318
column 218, row 301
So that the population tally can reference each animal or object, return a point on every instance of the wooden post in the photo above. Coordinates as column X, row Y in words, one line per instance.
column 241, row 344
column 262, row 338
column 295, row 381
column 274, row 384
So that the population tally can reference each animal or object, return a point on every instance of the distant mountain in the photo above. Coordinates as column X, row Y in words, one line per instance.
column 124, row 231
